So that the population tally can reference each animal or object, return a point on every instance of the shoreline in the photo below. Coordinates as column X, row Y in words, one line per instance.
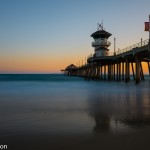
column 125, row 141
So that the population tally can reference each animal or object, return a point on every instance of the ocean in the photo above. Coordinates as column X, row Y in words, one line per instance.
column 56, row 112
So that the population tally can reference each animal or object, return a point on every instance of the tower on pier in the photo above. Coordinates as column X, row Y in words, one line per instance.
column 101, row 42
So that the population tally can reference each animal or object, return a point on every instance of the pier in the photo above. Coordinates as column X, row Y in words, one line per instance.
column 118, row 65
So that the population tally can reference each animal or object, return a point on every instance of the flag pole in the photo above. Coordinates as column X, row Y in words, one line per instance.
column 149, row 35
column 114, row 46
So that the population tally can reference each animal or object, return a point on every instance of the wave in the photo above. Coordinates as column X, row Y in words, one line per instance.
column 37, row 77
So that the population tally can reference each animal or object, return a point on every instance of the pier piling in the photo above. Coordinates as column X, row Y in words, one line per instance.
column 103, row 65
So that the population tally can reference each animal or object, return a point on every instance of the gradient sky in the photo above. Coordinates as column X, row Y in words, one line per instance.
column 44, row 36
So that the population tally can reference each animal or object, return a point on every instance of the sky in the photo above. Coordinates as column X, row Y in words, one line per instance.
column 45, row 36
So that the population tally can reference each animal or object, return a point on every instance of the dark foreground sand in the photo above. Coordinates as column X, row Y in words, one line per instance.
column 137, row 140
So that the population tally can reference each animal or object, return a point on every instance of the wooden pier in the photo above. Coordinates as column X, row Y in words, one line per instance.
column 118, row 66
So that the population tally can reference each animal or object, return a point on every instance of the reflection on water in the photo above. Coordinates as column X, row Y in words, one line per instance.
column 120, row 107
column 54, row 110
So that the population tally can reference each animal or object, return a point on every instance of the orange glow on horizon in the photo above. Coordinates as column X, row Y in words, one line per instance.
column 40, row 64
column 43, row 63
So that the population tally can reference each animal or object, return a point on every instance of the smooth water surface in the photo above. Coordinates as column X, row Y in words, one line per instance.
column 55, row 107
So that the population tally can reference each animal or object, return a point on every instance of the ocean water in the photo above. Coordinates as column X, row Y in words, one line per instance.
column 44, row 112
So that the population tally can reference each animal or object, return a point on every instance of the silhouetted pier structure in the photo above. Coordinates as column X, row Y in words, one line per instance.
column 71, row 70
column 118, row 66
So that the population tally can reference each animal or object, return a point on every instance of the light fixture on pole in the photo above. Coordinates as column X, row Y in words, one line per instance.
column 147, row 28
column 149, row 35
column 114, row 46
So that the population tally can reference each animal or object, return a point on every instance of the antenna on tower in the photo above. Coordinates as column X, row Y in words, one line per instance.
column 100, row 26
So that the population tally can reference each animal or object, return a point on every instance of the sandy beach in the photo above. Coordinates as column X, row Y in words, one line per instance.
column 138, row 140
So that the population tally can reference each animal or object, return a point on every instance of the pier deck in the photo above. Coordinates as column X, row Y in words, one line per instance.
column 116, row 66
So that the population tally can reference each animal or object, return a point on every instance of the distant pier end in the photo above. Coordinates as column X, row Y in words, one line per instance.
column 70, row 70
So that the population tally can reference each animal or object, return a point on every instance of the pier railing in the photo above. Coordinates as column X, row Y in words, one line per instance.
column 129, row 48
column 109, row 54
column 101, row 43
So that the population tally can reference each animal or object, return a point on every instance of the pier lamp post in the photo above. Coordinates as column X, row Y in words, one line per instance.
column 114, row 46
column 85, row 60
column 149, row 34
column 141, row 41
column 147, row 28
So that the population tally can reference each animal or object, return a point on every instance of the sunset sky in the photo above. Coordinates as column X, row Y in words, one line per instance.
column 44, row 36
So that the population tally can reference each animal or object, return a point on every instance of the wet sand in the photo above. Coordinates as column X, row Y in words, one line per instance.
column 139, row 140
